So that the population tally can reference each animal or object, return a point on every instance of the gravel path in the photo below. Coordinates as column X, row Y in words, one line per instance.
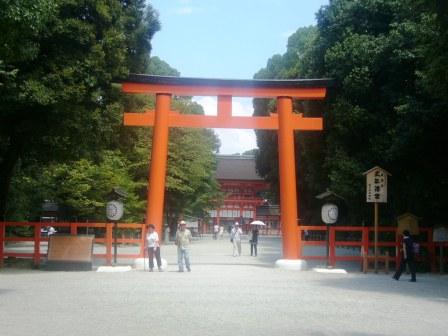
column 222, row 295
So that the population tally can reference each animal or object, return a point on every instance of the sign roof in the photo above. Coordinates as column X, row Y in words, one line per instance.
column 376, row 168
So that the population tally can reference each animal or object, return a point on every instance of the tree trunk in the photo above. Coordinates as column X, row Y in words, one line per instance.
column 6, row 173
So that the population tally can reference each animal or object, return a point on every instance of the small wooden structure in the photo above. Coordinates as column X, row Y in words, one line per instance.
column 67, row 252
column 366, row 259
column 408, row 221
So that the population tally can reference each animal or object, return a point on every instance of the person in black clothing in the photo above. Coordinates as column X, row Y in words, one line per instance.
column 407, row 257
column 254, row 242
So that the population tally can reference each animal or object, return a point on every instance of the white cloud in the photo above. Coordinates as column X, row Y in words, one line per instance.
column 209, row 104
column 184, row 10
column 232, row 140
column 236, row 140
column 186, row 7
column 242, row 107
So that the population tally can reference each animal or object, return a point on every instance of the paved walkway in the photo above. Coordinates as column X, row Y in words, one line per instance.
column 223, row 295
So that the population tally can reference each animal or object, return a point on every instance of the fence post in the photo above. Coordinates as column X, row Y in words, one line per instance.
column 365, row 240
column 143, row 241
column 73, row 229
column 386, row 262
column 299, row 232
column 432, row 251
column 332, row 247
column 2, row 242
column 365, row 262
column 365, row 249
column 109, row 244
column 36, row 244
column 397, row 250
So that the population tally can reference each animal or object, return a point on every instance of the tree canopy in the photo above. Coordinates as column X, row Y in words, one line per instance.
column 57, row 101
column 389, row 107
column 61, row 131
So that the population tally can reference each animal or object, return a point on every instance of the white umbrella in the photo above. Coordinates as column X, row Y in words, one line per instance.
column 257, row 222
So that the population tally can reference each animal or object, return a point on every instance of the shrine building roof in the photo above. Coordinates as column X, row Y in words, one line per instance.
column 237, row 167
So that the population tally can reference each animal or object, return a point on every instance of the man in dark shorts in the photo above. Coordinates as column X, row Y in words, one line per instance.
column 407, row 257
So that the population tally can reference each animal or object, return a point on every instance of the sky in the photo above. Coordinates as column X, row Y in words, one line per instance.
column 228, row 39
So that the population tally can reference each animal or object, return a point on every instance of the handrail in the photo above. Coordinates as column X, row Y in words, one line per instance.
column 364, row 243
column 73, row 228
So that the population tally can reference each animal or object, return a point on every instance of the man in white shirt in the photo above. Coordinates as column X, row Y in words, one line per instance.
column 235, row 237
column 153, row 248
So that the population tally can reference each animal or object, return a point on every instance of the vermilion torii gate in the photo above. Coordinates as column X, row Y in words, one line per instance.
column 285, row 121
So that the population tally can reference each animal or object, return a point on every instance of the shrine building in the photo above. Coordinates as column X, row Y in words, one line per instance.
column 245, row 195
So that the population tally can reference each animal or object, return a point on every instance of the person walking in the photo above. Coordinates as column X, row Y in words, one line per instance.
column 221, row 232
column 254, row 241
column 407, row 257
column 215, row 231
column 183, row 240
column 235, row 237
column 153, row 246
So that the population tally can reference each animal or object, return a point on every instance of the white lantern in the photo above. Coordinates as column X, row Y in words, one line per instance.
column 329, row 213
column 114, row 210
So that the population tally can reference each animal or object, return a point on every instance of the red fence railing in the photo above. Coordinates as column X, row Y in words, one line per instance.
column 106, row 237
column 358, row 239
column 362, row 238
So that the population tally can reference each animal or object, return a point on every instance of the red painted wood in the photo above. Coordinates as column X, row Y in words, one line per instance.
column 37, row 244
column 2, row 243
column 109, row 243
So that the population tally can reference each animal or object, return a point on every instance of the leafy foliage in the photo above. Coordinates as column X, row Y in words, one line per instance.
column 389, row 61
column 60, row 103
column 91, row 151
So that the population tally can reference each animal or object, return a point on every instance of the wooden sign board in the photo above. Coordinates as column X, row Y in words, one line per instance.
column 440, row 234
column 408, row 222
column 70, row 252
column 376, row 191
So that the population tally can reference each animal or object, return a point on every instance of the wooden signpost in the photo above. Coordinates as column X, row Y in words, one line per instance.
column 376, row 192
column 440, row 235
column 114, row 212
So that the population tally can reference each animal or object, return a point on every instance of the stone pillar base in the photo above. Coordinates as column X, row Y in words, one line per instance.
column 292, row 264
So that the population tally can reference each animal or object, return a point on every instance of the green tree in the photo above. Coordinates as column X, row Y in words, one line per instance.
column 389, row 61
column 81, row 188
column 308, row 144
column 161, row 68
column 57, row 102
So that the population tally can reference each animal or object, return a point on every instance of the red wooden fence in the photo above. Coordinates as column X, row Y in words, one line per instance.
column 107, row 240
column 365, row 243
column 340, row 236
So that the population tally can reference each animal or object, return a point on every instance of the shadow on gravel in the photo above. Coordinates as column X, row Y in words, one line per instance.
column 267, row 265
column 347, row 333
column 6, row 291
column 429, row 287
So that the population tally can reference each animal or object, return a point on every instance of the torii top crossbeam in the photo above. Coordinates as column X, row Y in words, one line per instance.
column 285, row 121
column 225, row 89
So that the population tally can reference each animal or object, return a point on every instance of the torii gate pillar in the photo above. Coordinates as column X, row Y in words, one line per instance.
column 287, row 176
column 159, row 155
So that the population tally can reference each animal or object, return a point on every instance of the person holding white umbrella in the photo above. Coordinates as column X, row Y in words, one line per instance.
column 254, row 239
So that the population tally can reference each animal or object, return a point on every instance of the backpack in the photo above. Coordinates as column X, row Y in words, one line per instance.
column 416, row 248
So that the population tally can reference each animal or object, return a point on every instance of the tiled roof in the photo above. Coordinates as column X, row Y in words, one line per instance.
column 236, row 167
